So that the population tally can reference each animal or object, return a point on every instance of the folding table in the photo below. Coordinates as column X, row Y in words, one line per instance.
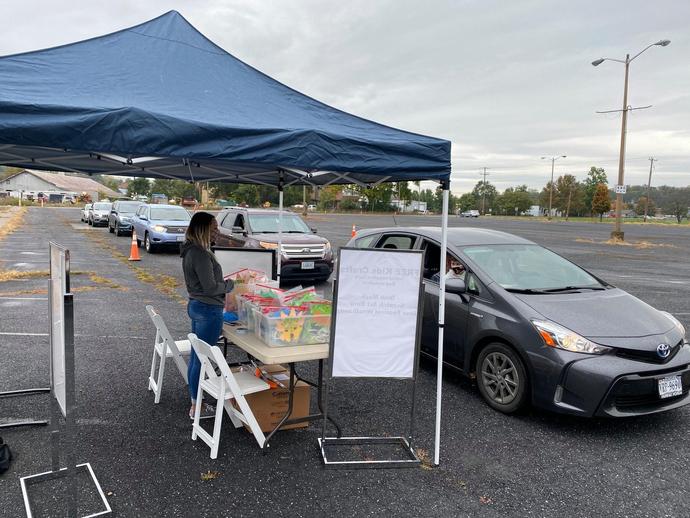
column 255, row 348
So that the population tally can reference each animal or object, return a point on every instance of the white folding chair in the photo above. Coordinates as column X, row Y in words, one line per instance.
column 224, row 388
column 165, row 347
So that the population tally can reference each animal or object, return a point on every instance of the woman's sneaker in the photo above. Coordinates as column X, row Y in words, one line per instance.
column 206, row 411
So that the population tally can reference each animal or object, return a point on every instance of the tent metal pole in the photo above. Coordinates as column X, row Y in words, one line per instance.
column 445, row 185
column 280, row 225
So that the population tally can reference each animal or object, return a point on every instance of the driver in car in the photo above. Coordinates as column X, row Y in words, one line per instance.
column 454, row 270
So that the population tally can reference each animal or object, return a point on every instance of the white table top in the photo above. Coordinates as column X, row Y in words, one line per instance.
column 252, row 345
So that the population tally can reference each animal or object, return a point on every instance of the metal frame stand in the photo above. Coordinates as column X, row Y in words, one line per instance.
column 24, row 392
column 405, row 443
column 65, row 324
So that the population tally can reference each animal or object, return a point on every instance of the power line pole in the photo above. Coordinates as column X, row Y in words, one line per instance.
column 553, row 161
column 484, row 174
column 649, row 184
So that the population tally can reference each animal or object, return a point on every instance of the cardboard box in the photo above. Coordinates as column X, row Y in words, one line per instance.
column 269, row 406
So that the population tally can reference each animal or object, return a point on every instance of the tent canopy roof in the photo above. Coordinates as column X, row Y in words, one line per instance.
column 161, row 100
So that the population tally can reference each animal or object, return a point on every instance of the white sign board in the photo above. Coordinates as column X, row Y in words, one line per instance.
column 235, row 259
column 621, row 189
column 59, row 265
column 376, row 313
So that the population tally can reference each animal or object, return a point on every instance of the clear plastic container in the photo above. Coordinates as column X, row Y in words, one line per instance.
column 287, row 328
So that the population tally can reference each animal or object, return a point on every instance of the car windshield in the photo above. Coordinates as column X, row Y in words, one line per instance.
column 268, row 223
column 529, row 268
column 102, row 206
column 128, row 207
column 169, row 214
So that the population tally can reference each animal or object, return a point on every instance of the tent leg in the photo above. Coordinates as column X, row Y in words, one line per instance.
column 280, row 226
column 445, row 185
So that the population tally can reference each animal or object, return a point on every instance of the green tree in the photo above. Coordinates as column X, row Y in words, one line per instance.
column 595, row 176
column 679, row 204
column 601, row 202
column 570, row 195
column 139, row 186
column 485, row 194
column 467, row 202
column 328, row 196
column 514, row 198
column 640, row 205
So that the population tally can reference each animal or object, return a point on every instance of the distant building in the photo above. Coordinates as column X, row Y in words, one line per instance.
column 409, row 205
column 31, row 184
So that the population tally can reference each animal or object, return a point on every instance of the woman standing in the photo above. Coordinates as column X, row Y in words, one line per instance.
column 206, row 287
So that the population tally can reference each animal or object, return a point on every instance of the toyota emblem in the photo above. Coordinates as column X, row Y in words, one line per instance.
column 663, row 350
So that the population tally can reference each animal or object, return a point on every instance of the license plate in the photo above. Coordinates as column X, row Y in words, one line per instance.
column 307, row 265
column 180, row 238
column 669, row 387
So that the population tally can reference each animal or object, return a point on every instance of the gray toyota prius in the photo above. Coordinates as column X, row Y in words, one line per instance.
column 535, row 328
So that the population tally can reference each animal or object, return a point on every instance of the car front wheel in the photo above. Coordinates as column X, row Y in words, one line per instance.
column 502, row 378
column 150, row 248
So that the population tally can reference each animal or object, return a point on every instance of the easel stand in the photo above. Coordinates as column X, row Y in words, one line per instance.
column 355, row 260
column 62, row 387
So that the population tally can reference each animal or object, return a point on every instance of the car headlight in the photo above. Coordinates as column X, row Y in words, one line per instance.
column 675, row 321
column 327, row 247
column 269, row 246
column 160, row 228
column 560, row 337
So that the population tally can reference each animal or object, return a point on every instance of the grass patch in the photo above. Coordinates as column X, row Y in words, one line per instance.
column 23, row 292
column 14, row 275
column 13, row 223
column 639, row 245
column 97, row 280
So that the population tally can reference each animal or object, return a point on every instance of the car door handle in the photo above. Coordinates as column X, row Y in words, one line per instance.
column 478, row 315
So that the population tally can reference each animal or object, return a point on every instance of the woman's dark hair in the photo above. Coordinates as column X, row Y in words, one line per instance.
column 199, row 229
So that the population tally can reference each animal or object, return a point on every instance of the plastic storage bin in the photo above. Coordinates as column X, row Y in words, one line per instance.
column 286, row 328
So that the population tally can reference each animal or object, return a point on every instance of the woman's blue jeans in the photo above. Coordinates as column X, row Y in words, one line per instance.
column 207, row 323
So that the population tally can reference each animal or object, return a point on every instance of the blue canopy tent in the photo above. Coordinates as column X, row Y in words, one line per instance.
column 160, row 100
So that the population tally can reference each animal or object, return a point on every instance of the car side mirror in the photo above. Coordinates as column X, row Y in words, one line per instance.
column 456, row 286
column 144, row 218
column 238, row 230
column 313, row 230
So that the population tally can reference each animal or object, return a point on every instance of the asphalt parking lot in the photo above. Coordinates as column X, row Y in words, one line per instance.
column 537, row 464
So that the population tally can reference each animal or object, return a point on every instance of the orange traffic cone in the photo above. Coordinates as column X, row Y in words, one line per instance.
column 134, row 248
column 354, row 231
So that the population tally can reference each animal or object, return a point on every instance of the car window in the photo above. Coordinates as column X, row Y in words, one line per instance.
column 366, row 241
column 102, row 206
column 226, row 220
column 529, row 267
column 126, row 207
column 268, row 223
column 432, row 260
column 397, row 242
column 169, row 214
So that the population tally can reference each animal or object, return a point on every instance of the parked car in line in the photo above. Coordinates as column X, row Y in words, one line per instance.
column 304, row 256
column 85, row 212
column 121, row 214
column 99, row 213
column 159, row 225
column 470, row 214
column 535, row 328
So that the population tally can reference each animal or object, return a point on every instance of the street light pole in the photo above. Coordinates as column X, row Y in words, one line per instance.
column 618, row 234
column 553, row 161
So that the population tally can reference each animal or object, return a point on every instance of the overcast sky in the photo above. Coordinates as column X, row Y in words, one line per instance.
column 506, row 81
